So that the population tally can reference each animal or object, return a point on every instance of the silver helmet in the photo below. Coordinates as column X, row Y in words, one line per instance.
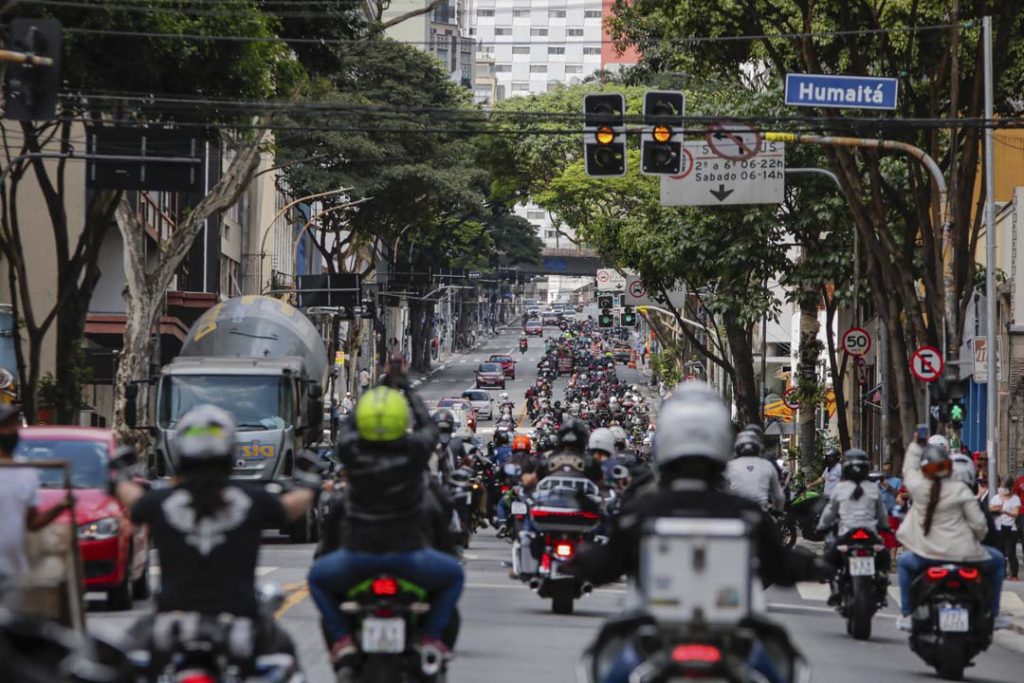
column 694, row 423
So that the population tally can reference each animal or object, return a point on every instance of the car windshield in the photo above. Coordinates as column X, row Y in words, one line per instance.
column 490, row 367
column 257, row 402
column 89, row 461
column 477, row 395
column 533, row 323
column 501, row 359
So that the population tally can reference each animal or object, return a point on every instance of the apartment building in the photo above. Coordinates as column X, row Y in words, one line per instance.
column 443, row 32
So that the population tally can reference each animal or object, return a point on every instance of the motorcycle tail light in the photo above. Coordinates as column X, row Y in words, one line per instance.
column 505, row 488
column 384, row 586
column 196, row 677
column 860, row 535
column 936, row 573
column 968, row 573
column 707, row 654
column 563, row 550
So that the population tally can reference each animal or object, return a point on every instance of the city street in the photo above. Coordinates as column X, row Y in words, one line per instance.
column 511, row 634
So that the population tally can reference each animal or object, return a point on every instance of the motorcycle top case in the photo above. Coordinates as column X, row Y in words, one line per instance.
column 696, row 570
column 562, row 509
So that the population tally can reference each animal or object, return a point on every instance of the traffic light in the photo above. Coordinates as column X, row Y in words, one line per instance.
column 628, row 318
column 605, row 320
column 957, row 412
column 661, row 139
column 30, row 92
column 604, row 301
column 604, row 134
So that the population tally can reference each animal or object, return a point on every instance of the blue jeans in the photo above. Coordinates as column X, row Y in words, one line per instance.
column 628, row 659
column 501, row 510
column 334, row 574
column 911, row 565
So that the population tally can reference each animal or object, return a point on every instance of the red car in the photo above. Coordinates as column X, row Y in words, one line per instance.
column 533, row 327
column 490, row 375
column 507, row 363
column 114, row 551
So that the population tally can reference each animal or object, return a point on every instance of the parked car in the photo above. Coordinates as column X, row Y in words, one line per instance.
column 533, row 327
column 114, row 551
column 507, row 363
column 465, row 413
column 482, row 402
column 490, row 375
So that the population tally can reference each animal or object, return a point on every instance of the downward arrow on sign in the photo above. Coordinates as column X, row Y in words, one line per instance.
column 721, row 193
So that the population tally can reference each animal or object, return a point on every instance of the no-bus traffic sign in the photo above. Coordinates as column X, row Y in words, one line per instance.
column 926, row 363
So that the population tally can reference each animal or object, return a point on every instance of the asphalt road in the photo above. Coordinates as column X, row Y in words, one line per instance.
column 510, row 636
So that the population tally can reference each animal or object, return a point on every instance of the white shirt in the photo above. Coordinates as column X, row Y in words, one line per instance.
column 832, row 476
column 19, row 492
column 1010, row 502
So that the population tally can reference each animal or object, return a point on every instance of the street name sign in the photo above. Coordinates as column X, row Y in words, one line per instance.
column 841, row 92
column 711, row 179
column 926, row 363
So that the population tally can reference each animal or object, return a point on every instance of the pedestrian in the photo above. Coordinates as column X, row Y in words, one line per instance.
column 364, row 381
column 889, row 486
column 1005, row 505
column 19, row 504
column 347, row 404
column 335, row 418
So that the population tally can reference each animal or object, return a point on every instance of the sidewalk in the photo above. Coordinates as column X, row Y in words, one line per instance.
column 444, row 359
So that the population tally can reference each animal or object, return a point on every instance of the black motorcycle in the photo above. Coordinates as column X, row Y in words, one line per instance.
column 862, row 589
column 523, row 345
column 386, row 612
column 951, row 618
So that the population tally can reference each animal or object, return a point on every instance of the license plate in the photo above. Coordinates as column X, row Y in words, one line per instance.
column 383, row 635
column 954, row 620
column 518, row 508
column 862, row 566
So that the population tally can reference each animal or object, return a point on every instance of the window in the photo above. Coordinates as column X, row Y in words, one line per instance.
column 502, row 68
column 592, row 14
column 556, row 50
column 522, row 50
column 483, row 47
column 556, row 13
column 485, row 12
column 538, row 68
column 573, row 69
column 520, row 86
column 520, row 13
column 536, row 214
column 502, row 31
column 538, row 31
column 591, row 50
column 549, row 234
column 574, row 32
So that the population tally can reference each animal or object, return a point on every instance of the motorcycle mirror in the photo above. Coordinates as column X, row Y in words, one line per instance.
column 271, row 596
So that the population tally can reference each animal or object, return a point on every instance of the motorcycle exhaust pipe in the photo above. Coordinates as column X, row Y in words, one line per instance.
column 534, row 583
column 587, row 588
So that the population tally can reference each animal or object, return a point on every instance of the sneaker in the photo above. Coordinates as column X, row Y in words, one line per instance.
column 344, row 653
column 905, row 622
column 1000, row 623
column 427, row 643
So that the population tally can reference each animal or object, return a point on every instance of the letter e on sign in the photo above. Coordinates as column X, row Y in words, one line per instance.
column 856, row 341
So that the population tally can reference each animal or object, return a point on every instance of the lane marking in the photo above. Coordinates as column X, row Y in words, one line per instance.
column 804, row 608
column 292, row 600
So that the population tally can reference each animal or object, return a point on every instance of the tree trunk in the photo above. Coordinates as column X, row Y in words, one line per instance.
column 837, row 378
column 807, row 381
column 748, row 404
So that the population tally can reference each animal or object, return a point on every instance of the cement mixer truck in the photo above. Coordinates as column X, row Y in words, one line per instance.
column 264, row 362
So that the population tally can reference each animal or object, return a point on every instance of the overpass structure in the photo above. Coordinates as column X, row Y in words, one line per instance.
column 569, row 262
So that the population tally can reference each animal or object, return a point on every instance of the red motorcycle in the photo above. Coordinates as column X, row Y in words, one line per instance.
column 523, row 344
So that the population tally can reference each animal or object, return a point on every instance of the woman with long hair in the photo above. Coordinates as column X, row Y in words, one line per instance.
column 944, row 524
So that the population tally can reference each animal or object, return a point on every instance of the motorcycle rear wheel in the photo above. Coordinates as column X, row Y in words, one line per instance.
column 563, row 597
column 952, row 658
column 862, row 608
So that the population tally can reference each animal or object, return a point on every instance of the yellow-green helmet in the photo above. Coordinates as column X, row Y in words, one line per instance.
column 382, row 414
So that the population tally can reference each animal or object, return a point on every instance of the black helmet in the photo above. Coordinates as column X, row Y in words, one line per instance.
column 856, row 465
column 445, row 421
column 935, row 462
column 501, row 437
column 748, row 444
column 832, row 454
column 573, row 434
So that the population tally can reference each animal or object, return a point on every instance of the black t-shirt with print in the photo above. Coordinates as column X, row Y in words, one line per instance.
column 209, row 566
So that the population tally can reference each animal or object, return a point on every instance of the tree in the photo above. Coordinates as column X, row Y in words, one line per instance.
column 891, row 199
column 97, row 67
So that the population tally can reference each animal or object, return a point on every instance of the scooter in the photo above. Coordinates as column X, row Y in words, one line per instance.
column 523, row 345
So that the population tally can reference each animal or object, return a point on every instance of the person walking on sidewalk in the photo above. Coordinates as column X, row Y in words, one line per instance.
column 1005, row 505
column 364, row 381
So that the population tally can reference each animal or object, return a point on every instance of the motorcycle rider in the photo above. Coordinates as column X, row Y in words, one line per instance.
column 444, row 460
column 693, row 445
column 569, row 457
column 944, row 524
column 753, row 477
column 386, row 467
column 831, row 475
column 207, row 528
column 853, row 506
column 601, row 447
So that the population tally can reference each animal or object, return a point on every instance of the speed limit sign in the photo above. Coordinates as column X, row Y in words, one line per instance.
column 857, row 341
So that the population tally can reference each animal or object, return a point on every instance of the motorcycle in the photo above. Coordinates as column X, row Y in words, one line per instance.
column 186, row 646
column 523, row 345
column 801, row 514
column 563, row 513
column 386, row 612
column 862, row 589
column 952, row 622
column 467, row 493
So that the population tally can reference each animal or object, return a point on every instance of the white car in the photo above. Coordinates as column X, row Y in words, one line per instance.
column 482, row 401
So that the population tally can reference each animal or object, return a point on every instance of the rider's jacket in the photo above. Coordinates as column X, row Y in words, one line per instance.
column 865, row 512
column 756, row 479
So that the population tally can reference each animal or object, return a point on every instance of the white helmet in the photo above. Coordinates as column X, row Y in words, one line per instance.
column 940, row 441
column 963, row 468
column 602, row 439
column 693, row 424
column 503, row 396
column 612, row 401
